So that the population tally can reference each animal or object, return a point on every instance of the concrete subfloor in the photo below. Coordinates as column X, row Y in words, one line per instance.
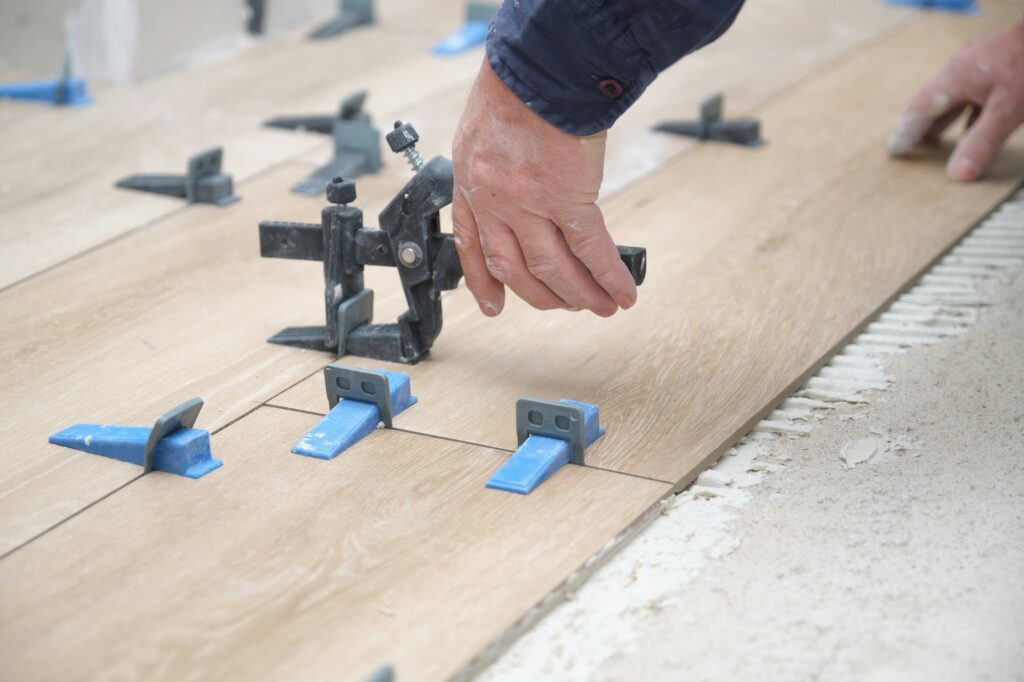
column 886, row 544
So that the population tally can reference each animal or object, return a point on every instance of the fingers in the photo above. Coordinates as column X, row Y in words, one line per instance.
column 534, row 261
column 575, row 267
column 943, row 122
column 944, row 93
column 587, row 237
column 549, row 259
column 505, row 262
column 983, row 140
column 488, row 292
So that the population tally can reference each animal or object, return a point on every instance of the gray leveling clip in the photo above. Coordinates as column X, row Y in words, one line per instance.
column 181, row 417
column 257, row 10
column 351, row 14
column 352, row 383
column 202, row 183
column 356, row 142
column 711, row 126
column 409, row 239
column 554, row 420
column 385, row 673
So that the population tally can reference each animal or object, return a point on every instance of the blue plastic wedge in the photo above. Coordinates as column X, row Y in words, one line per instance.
column 70, row 92
column 961, row 6
column 350, row 420
column 185, row 452
column 539, row 457
column 471, row 35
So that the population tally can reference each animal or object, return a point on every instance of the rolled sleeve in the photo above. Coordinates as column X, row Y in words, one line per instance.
column 580, row 64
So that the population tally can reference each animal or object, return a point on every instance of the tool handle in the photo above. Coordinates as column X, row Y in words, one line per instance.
column 635, row 258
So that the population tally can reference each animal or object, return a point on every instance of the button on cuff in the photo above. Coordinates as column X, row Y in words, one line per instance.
column 610, row 88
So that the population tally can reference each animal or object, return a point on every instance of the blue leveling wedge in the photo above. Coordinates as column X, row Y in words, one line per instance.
column 550, row 435
column 359, row 400
column 172, row 445
column 472, row 33
column 70, row 92
column 961, row 6
column 65, row 90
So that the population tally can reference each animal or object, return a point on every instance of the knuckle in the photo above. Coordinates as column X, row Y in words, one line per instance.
column 543, row 266
column 581, row 240
column 964, row 59
column 482, row 171
column 1002, row 111
column 463, row 234
column 499, row 267
column 592, row 254
column 606, row 276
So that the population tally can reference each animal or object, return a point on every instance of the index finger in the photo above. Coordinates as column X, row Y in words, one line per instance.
column 936, row 98
column 587, row 236
column 488, row 292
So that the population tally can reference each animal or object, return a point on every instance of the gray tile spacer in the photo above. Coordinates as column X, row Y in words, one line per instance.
column 204, row 182
column 711, row 125
column 553, row 419
column 385, row 673
column 351, row 14
column 362, row 385
column 181, row 417
column 352, row 313
column 481, row 11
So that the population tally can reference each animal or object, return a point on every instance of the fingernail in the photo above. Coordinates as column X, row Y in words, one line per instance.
column 962, row 168
column 906, row 133
column 624, row 300
column 939, row 104
column 489, row 309
column 573, row 309
column 911, row 126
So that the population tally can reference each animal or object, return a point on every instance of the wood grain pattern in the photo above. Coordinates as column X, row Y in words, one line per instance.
column 281, row 567
column 760, row 264
column 42, row 484
column 59, row 166
column 120, row 335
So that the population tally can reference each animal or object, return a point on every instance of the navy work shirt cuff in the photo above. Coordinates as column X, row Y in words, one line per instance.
column 572, row 63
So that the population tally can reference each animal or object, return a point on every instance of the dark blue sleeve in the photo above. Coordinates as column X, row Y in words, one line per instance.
column 581, row 63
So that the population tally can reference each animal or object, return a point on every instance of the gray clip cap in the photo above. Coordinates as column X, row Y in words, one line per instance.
column 181, row 417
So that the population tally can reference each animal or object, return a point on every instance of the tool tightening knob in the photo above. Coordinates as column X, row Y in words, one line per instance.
column 341, row 191
column 402, row 137
column 402, row 140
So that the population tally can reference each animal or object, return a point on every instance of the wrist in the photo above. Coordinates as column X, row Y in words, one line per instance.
column 502, row 101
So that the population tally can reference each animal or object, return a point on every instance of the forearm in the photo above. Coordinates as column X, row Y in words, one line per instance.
column 580, row 64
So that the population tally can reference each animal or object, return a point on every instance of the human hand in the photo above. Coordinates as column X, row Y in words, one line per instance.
column 987, row 77
column 524, row 209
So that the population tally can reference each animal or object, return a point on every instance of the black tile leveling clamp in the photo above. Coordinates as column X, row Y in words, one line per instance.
column 409, row 239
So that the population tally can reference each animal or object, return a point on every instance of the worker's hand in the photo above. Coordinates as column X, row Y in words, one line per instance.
column 524, row 209
column 987, row 78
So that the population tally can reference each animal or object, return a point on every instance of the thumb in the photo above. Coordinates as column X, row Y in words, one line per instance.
column 981, row 143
